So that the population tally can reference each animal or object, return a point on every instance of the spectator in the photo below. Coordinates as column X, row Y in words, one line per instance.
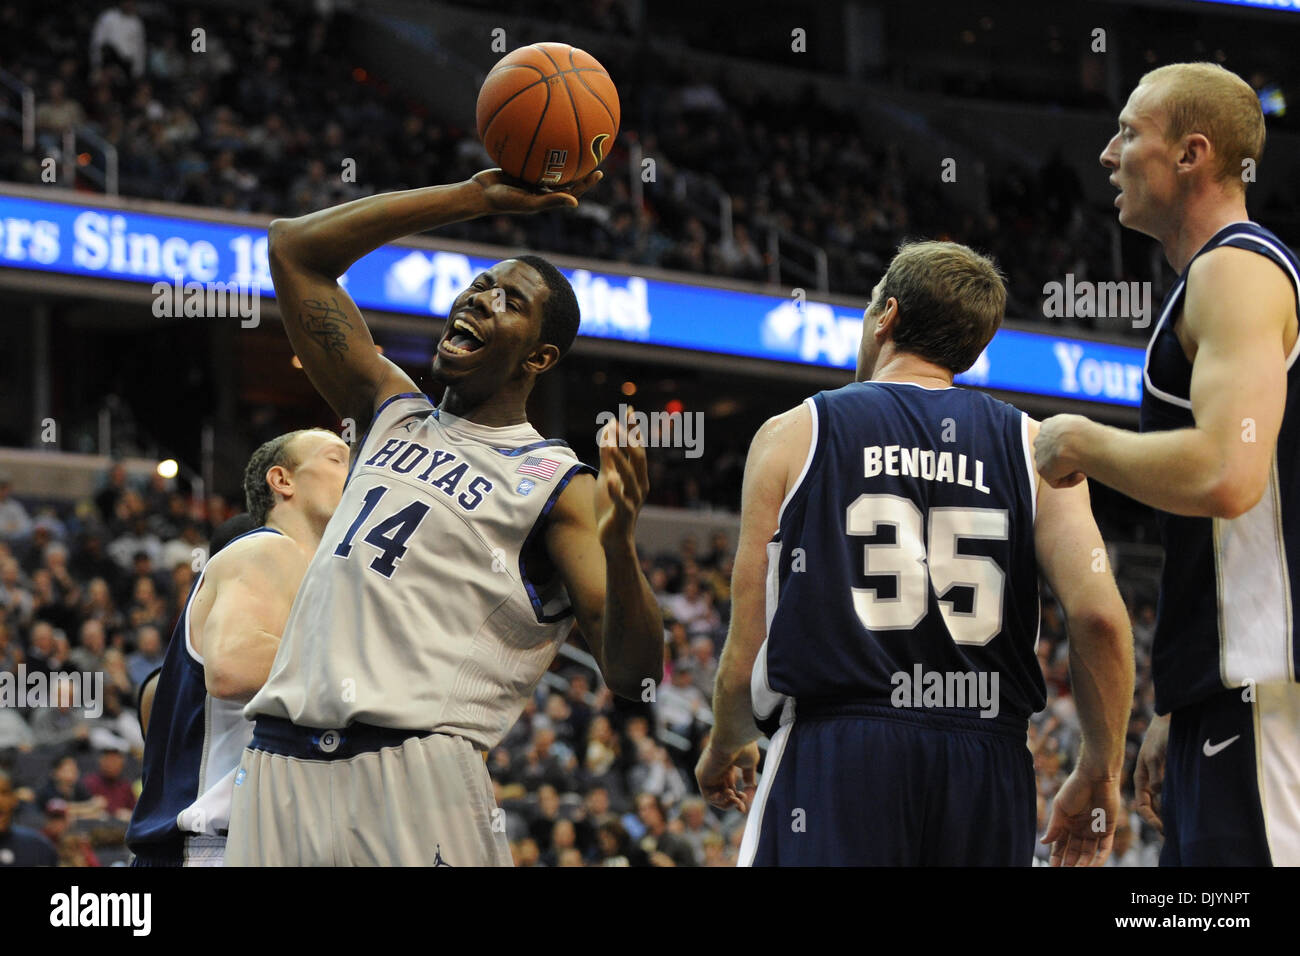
column 138, row 540
column 680, row 705
column 43, row 654
column 656, row 774
column 62, row 724
column 109, row 784
column 15, row 734
column 545, row 816
column 563, row 837
column 117, row 728
column 110, row 496
column 89, row 654
column 697, row 825
column 16, row 597
column 147, row 657
column 525, row 852
column 602, row 748
column 91, row 563
column 704, row 664
column 10, row 654
column 98, row 605
column 64, row 785
column 693, row 607
column 615, row 847
column 118, row 37
column 20, row 846
column 662, row 847
column 14, row 521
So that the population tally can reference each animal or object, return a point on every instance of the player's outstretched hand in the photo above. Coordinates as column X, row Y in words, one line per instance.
column 504, row 194
column 624, row 480
column 1149, row 774
column 1054, row 455
column 728, row 780
column 1081, row 828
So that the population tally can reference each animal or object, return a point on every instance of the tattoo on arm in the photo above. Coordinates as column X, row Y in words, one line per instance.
column 326, row 323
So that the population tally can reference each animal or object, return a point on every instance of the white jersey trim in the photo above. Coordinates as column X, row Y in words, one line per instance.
column 754, row 825
column 807, row 462
column 764, row 700
column 1146, row 362
column 1175, row 296
column 1254, row 593
column 1029, row 461
column 1276, row 712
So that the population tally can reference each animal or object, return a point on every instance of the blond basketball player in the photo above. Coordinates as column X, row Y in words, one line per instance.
column 221, row 651
column 464, row 548
column 1217, row 458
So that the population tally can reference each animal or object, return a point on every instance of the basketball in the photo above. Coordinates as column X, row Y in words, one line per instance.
column 548, row 114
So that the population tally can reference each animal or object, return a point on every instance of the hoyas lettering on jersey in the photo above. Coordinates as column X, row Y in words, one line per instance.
column 403, row 457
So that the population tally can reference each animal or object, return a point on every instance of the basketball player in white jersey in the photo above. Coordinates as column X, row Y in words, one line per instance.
column 464, row 548
column 1218, row 457
column 221, row 651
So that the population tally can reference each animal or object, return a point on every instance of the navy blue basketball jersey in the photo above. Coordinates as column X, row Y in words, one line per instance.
column 903, row 571
column 190, row 734
column 1227, row 592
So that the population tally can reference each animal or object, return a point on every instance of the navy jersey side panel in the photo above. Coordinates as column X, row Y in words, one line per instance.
column 173, row 749
column 1228, row 601
column 908, row 548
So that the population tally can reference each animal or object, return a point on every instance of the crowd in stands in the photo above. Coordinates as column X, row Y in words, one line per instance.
column 584, row 778
column 264, row 117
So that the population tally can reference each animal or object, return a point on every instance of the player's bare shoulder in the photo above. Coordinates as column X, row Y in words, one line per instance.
column 1219, row 280
column 272, row 557
column 784, row 440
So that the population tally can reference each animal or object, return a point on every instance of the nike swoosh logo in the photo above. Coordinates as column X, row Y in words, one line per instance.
column 1211, row 749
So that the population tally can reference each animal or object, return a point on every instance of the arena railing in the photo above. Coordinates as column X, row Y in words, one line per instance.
column 26, row 112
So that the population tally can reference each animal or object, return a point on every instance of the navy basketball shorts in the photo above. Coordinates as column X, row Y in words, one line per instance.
column 1231, row 793
column 864, row 785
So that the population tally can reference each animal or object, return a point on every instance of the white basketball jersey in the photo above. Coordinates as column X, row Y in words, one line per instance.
column 431, row 603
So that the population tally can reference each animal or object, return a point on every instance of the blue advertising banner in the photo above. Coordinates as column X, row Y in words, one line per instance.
column 125, row 245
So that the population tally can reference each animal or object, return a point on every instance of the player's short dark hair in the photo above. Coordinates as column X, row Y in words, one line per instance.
column 560, row 313
column 950, row 301
column 259, row 499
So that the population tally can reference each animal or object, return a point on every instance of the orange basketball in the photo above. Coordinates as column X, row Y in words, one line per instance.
column 548, row 114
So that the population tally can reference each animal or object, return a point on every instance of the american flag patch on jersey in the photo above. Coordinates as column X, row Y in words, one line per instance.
column 543, row 468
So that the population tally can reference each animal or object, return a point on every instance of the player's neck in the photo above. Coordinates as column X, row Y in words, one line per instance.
column 496, row 411
column 906, row 367
column 1198, row 224
column 297, row 526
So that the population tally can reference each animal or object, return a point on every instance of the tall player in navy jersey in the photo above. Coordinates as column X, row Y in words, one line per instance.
column 222, row 650
column 886, row 609
column 1218, row 457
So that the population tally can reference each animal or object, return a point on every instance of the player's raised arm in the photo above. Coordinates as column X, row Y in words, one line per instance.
column 1238, row 306
column 591, row 538
column 253, row 585
column 308, row 254
column 1069, row 546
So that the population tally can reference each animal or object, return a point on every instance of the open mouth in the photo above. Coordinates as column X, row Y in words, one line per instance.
column 462, row 338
